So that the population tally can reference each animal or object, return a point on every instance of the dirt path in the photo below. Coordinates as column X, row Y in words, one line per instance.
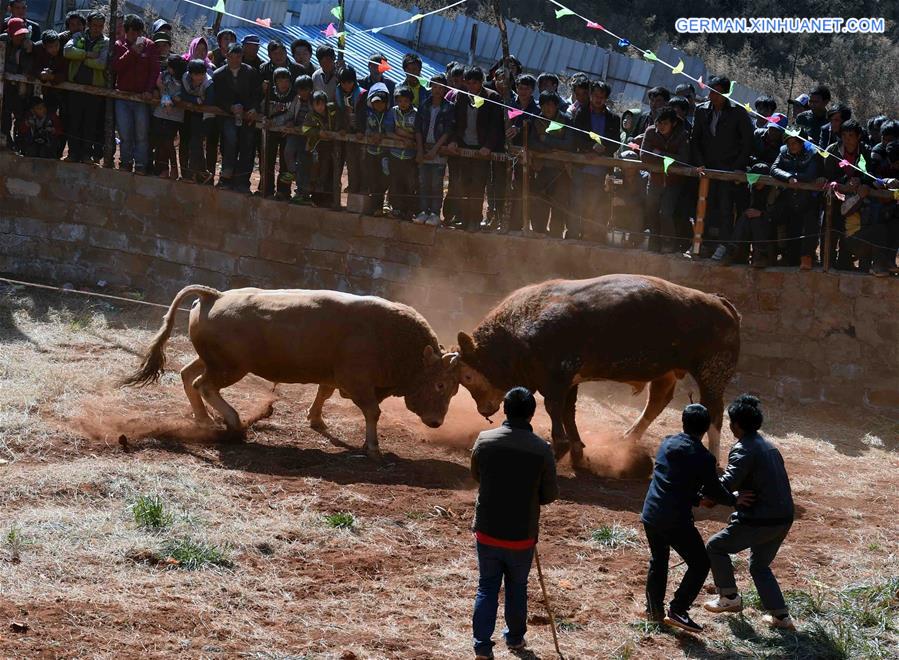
column 88, row 581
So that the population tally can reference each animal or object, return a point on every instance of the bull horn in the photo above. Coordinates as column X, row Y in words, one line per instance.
column 450, row 359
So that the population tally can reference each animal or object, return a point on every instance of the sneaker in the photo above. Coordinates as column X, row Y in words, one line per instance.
column 682, row 621
column 724, row 604
column 421, row 218
column 784, row 622
column 521, row 646
column 433, row 220
column 719, row 254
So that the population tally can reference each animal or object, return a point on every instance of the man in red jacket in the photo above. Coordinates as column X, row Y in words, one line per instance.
column 136, row 65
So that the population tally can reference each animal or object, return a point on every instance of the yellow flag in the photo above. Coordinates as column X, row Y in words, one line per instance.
column 748, row 108
column 679, row 68
column 477, row 101
column 595, row 137
column 823, row 153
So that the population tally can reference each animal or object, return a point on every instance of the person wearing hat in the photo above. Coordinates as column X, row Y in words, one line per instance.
column 19, row 9
column 238, row 91
column 797, row 162
column 403, row 168
column 816, row 116
column 19, row 50
column 378, row 124
column 163, row 43
column 162, row 25
column 224, row 39
column 250, row 45
column 683, row 468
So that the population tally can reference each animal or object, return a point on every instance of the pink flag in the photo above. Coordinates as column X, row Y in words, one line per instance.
column 845, row 163
column 515, row 113
column 330, row 31
column 383, row 66
column 264, row 22
column 702, row 85
column 594, row 25
column 634, row 146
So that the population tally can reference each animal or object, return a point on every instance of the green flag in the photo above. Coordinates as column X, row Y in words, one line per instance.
column 649, row 55
column 424, row 82
column 666, row 163
column 337, row 12
column 751, row 177
column 564, row 11
column 862, row 165
column 219, row 7
column 554, row 126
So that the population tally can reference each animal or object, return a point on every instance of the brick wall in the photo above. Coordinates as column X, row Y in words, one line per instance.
column 806, row 336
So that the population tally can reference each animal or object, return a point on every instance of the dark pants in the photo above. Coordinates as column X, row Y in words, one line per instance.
column 763, row 544
column 377, row 180
column 82, row 126
column 430, row 187
column 322, row 180
column 196, row 156
column 403, row 177
column 497, row 192
column 551, row 207
column 46, row 149
column 474, row 177
column 756, row 232
column 165, row 133
column 495, row 566
column 661, row 204
column 687, row 542
column 801, row 221
column 349, row 155
column 871, row 245
column 452, row 203
column 238, row 153
column 720, row 222
column 516, row 210
column 275, row 152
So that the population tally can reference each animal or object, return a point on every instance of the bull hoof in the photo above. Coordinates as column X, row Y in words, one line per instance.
column 374, row 454
column 577, row 453
column 234, row 436
column 560, row 449
column 318, row 425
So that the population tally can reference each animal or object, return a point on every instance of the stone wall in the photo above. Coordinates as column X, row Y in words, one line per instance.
column 806, row 336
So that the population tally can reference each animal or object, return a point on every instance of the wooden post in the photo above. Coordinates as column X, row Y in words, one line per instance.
column 109, row 139
column 507, row 99
column 264, row 146
column 828, row 232
column 341, row 40
column 473, row 43
column 699, row 222
column 217, row 25
column 525, row 185
column 2, row 73
column 337, row 173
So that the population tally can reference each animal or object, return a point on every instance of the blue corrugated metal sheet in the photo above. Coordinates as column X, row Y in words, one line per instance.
column 359, row 47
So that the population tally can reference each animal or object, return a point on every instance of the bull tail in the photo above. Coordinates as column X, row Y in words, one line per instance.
column 154, row 359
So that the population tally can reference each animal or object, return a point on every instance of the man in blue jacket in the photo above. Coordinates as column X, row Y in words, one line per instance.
column 516, row 473
column 683, row 467
column 754, row 465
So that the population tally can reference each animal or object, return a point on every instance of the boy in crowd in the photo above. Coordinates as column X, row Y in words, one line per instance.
column 136, row 65
column 170, row 116
column 238, row 91
column 479, row 127
column 302, row 55
column 251, row 57
column 324, row 78
column 375, row 75
column 197, row 97
column 764, row 105
column 836, row 116
column 224, row 39
column 549, row 82
column 658, row 99
column 551, row 201
column 816, row 116
column 299, row 159
column 87, row 53
column 754, row 225
column 323, row 117
column 767, row 141
column 412, row 68
column 403, row 171
column 350, row 104
column 277, row 59
column 49, row 66
column 19, row 49
column 379, row 122
column 666, row 137
column 524, row 100
column 39, row 131
column 279, row 106
column 433, row 129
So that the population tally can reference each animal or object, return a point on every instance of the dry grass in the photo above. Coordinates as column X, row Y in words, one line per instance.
column 277, row 575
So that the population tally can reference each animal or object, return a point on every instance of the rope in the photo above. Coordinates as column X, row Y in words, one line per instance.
column 92, row 294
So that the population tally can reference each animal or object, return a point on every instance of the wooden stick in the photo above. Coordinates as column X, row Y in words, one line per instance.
column 525, row 186
column 549, row 610
column 699, row 223
column 109, row 118
column 828, row 231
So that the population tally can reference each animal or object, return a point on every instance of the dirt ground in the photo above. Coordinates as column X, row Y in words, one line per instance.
column 81, row 578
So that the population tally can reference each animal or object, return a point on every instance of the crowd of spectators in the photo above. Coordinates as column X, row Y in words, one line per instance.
column 200, row 113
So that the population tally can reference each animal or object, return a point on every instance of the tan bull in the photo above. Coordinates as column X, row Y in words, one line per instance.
column 366, row 347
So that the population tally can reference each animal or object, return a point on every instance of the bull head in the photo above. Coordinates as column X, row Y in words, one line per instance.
column 487, row 397
column 437, row 384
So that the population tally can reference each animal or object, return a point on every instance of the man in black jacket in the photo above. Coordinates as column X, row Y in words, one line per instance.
column 683, row 466
column 722, row 140
column 238, row 91
column 479, row 125
column 19, row 9
column 755, row 465
column 516, row 471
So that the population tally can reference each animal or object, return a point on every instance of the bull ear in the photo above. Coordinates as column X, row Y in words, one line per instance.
column 466, row 344
column 430, row 357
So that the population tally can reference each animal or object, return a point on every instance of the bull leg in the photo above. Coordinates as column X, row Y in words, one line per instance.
column 661, row 391
column 714, row 401
column 189, row 374
column 314, row 414
column 371, row 409
column 712, row 377
column 555, row 408
column 570, row 426
column 209, row 386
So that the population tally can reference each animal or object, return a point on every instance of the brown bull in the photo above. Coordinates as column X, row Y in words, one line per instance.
column 368, row 348
column 632, row 329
